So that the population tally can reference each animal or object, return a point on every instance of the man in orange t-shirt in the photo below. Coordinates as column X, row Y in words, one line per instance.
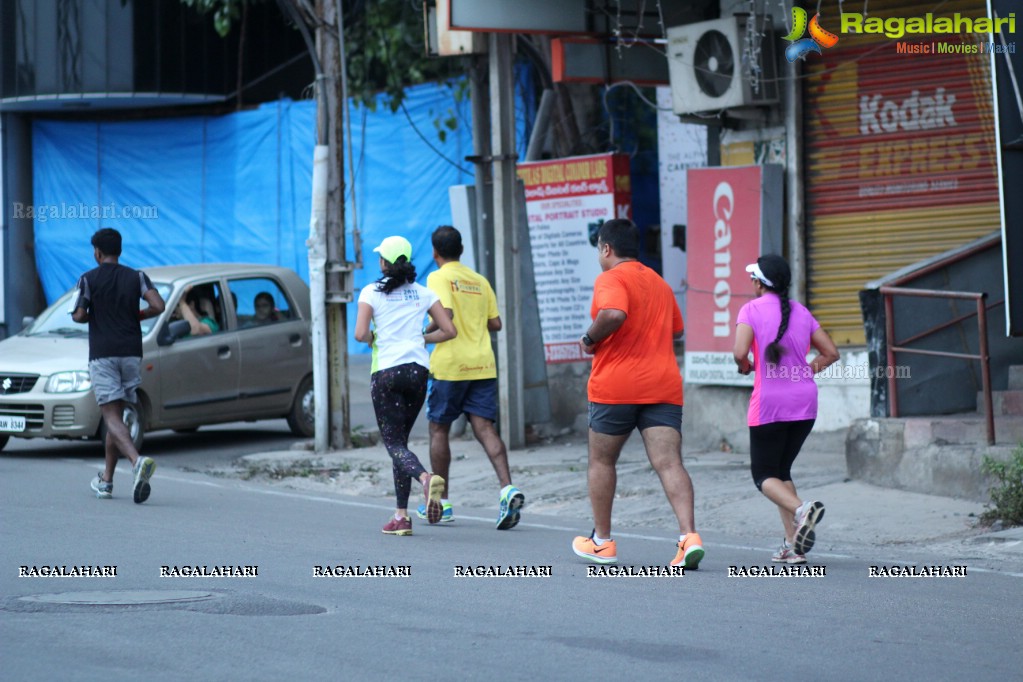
column 634, row 383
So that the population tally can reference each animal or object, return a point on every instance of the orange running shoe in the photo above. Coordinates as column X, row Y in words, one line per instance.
column 606, row 553
column 690, row 552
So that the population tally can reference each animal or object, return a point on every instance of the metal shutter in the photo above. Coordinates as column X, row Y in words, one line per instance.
column 900, row 156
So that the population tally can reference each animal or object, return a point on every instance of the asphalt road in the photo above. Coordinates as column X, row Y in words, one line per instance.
column 208, row 448
column 285, row 623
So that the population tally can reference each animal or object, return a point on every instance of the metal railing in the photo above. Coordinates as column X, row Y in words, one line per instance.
column 899, row 346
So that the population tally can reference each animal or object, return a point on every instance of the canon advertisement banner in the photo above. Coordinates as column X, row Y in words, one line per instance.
column 567, row 200
column 734, row 216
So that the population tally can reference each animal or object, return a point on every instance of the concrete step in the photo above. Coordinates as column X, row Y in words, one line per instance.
column 938, row 456
column 964, row 429
column 1003, row 402
column 1015, row 378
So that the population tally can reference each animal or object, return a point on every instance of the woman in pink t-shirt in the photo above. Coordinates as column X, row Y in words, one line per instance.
column 783, row 406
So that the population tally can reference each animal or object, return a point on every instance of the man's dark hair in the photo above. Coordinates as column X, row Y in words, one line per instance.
column 622, row 236
column 108, row 241
column 447, row 242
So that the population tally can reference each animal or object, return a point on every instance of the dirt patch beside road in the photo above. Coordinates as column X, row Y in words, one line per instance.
column 552, row 474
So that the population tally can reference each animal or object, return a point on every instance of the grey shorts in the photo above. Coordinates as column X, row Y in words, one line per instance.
column 115, row 378
column 620, row 419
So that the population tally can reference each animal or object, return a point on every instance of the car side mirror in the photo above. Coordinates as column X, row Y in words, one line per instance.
column 172, row 331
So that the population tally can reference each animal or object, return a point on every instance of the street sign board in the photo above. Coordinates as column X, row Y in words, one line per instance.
column 519, row 16
column 589, row 60
column 567, row 200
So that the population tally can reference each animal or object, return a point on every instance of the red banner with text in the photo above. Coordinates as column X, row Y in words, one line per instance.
column 723, row 235
column 567, row 200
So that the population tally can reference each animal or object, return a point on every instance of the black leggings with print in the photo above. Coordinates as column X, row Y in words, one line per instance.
column 398, row 395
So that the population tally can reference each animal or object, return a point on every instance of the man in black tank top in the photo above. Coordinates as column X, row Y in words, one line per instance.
column 108, row 299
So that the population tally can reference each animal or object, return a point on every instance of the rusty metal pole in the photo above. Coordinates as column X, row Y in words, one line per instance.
column 889, row 335
column 985, row 368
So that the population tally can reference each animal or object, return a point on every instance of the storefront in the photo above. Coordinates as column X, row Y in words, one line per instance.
column 899, row 153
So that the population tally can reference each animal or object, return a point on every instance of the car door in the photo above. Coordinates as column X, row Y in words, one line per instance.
column 273, row 342
column 199, row 374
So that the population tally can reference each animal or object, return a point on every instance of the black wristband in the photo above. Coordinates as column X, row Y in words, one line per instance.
column 587, row 340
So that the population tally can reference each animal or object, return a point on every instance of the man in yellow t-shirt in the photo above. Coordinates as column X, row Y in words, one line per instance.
column 465, row 373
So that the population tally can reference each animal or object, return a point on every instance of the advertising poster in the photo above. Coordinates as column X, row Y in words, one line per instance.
column 900, row 151
column 680, row 146
column 732, row 220
column 567, row 200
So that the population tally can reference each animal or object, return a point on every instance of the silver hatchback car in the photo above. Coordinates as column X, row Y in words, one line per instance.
column 257, row 363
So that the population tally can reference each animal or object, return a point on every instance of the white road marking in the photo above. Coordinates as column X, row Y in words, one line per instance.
column 542, row 526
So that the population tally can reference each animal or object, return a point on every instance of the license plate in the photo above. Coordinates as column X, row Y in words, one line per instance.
column 12, row 423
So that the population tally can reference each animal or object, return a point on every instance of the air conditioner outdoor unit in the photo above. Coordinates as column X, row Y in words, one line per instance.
column 722, row 64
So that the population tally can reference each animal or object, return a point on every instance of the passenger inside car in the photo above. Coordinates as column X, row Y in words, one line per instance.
column 196, row 306
column 265, row 309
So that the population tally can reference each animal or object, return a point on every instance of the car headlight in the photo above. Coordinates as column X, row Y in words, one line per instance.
column 68, row 382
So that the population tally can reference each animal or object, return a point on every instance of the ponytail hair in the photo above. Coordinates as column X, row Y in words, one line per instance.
column 776, row 269
column 774, row 349
column 396, row 274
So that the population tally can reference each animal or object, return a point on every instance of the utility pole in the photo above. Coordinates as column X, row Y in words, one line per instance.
column 338, row 270
column 507, row 256
column 330, row 274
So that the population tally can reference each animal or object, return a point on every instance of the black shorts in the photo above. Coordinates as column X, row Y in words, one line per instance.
column 773, row 448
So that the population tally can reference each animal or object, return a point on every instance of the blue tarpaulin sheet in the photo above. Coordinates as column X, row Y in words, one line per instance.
column 237, row 188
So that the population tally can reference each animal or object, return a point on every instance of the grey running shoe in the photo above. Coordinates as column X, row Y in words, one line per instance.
column 143, row 471
column 104, row 489
column 787, row 555
column 808, row 515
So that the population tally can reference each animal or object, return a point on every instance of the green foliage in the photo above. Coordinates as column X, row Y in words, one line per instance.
column 383, row 46
column 362, row 439
column 225, row 12
column 448, row 121
column 385, row 51
column 1006, row 498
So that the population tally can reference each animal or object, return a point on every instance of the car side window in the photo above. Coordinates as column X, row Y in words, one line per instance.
column 206, row 300
column 260, row 301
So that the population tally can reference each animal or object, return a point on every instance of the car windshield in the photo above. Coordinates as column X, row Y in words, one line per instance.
column 56, row 320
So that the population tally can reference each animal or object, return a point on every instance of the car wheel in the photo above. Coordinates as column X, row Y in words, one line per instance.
column 300, row 419
column 3, row 441
column 134, row 420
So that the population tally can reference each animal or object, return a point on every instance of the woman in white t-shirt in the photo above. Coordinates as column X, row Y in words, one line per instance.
column 397, row 306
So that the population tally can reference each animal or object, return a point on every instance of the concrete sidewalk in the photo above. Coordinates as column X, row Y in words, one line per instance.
column 861, row 519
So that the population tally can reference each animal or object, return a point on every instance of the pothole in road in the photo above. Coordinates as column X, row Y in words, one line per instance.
column 213, row 602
